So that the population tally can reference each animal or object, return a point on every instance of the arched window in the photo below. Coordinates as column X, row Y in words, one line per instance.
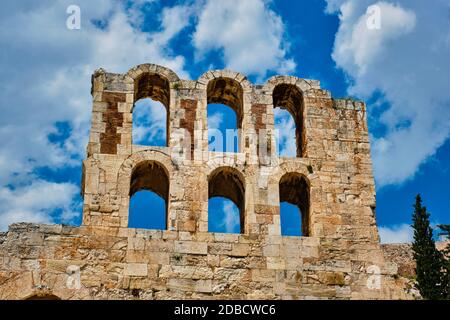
column 222, row 129
column 294, row 205
column 285, row 124
column 149, row 193
column 224, row 95
column 226, row 205
column 151, row 110
column 149, row 123
column 288, row 104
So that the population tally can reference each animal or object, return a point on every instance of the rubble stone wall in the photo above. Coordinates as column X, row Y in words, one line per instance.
column 338, row 257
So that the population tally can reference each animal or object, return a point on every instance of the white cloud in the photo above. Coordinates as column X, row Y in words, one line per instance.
column 231, row 218
column 359, row 47
column 37, row 202
column 396, row 234
column 215, row 120
column 286, row 140
column 249, row 33
column 149, row 122
column 407, row 61
column 173, row 20
column 45, row 75
column 215, row 135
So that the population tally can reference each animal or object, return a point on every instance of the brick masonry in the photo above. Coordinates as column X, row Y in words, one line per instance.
column 113, row 119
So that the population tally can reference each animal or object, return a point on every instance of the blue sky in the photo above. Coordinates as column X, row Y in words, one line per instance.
column 401, row 69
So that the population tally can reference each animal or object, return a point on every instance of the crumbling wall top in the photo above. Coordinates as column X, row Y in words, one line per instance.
column 113, row 79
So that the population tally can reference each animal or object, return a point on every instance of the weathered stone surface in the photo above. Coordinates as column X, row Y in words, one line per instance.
column 330, row 181
column 136, row 269
column 401, row 255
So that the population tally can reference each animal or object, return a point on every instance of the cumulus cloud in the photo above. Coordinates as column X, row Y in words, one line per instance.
column 231, row 218
column 216, row 136
column 406, row 62
column 149, row 122
column 249, row 33
column 45, row 72
column 286, row 140
column 215, row 120
column 402, row 233
column 37, row 202
column 173, row 20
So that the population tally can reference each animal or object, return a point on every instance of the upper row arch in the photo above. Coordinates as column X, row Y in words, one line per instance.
column 202, row 82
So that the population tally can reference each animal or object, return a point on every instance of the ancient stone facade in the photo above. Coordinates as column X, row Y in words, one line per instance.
column 338, row 257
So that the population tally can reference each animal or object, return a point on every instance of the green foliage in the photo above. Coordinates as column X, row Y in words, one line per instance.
column 431, row 280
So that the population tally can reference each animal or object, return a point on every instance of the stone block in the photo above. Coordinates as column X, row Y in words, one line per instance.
column 264, row 275
column 136, row 269
column 271, row 250
column 191, row 247
column 204, row 286
column 240, row 250
column 276, row 263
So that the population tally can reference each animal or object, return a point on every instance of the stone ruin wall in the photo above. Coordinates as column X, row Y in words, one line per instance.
column 331, row 181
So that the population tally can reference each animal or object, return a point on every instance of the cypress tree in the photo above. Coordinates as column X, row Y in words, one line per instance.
column 429, row 261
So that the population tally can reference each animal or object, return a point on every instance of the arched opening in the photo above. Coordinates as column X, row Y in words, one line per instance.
column 222, row 128
column 226, row 193
column 151, row 110
column 288, row 97
column 294, row 204
column 149, row 194
column 285, row 124
column 223, row 216
column 290, row 219
column 224, row 95
column 149, row 123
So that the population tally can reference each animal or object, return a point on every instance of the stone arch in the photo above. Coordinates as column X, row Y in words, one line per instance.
column 303, row 171
column 154, row 82
column 304, row 85
column 226, row 87
column 126, row 169
column 138, row 70
column 235, row 161
column 287, row 93
column 228, row 182
column 229, row 92
column 302, row 167
column 290, row 98
column 150, row 175
column 205, row 78
column 154, row 86
column 294, row 188
column 230, row 88
column 155, row 167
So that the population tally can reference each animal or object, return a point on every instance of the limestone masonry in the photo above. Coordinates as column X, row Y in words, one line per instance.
column 338, row 257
